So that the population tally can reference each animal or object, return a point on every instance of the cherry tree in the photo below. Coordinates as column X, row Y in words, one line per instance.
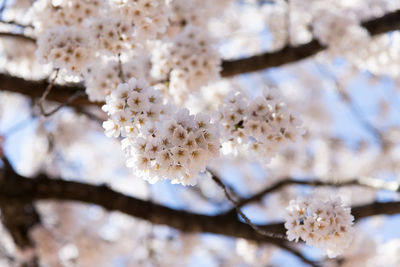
column 199, row 133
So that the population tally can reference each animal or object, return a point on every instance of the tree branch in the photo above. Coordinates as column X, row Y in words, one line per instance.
column 289, row 54
column 44, row 188
column 376, row 208
column 364, row 181
column 17, row 188
column 18, row 218
column 35, row 89
column 18, row 36
column 286, row 55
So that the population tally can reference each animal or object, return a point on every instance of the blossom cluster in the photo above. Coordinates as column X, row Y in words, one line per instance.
column 105, row 75
column 65, row 47
column 338, row 30
column 77, row 36
column 111, row 35
column 258, row 127
column 160, row 141
column 188, row 62
column 195, row 12
column 150, row 17
column 18, row 58
column 323, row 224
column 48, row 14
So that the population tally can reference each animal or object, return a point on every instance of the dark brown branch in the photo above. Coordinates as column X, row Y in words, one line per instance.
column 365, row 182
column 35, row 89
column 72, row 95
column 18, row 188
column 18, row 217
column 43, row 188
column 288, row 54
column 376, row 208
column 263, row 61
column 386, row 23
column 18, row 36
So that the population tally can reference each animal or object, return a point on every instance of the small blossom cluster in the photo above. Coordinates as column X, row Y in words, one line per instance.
column 338, row 30
column 188, row 62
column 63, row 39
column 112, row 35
column 128, row 25
column 150, row 17
column 159, row 143
column 105, row 75
column 196, row 12
column 76, row 35
column 47, row 14
column 17, row 10
column 380, row 56
column 130, row 107
column 257, row 127
column 326, row 225
column 65, row 47
column 18, row 58
column 177, row 148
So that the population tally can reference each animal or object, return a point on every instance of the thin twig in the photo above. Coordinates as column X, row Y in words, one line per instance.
column 69, row 101
column 2, row 155
column 298, row 254
column 375, row 132
column 228, row 195
column 3, row 6
column 121, row 70
column 359, row 116
column 47, row 92
column 16, row 24
column 228, row 191
column 18, row 126
column 19, row 36
column 363, row 181
column 288, row 22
